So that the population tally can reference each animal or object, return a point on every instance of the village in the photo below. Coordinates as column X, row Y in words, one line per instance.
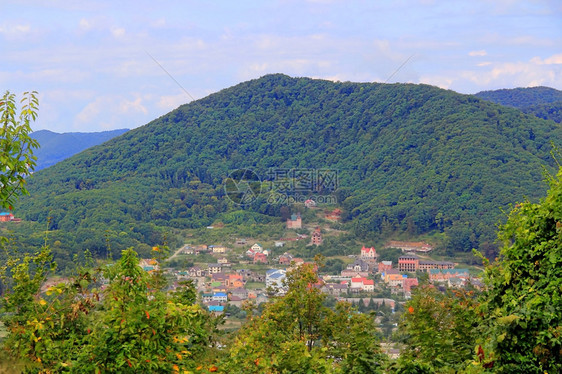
column 253, row 273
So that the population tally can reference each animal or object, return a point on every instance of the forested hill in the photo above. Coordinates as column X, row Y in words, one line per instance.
column 56, row 147
column 543, row 102
column 409, row 157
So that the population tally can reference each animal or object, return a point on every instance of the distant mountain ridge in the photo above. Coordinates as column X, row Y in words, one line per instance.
column 55, row 147
column 543, row 102
column 411, row 158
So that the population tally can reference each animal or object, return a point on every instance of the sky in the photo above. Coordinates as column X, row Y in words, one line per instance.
column 100, row 65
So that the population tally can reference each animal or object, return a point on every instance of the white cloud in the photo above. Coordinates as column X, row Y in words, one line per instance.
column 118, row 32
column 481, row 52
column 169, row 102
column 514, row 74
column 128, row 106
column 85, row 24
column 552, row 60
column 15, row 32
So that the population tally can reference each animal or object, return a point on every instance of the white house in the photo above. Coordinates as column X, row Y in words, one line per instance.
column 274, row 278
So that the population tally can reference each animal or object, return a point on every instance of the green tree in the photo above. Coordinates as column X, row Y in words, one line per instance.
column 16, row 146
column 524, row 297
column 438, row 329
column 296, row 333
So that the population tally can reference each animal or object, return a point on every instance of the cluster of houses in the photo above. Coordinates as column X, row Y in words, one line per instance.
column 220, row 285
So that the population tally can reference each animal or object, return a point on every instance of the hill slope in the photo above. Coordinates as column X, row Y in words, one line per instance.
column 56, row 147
column 409, row 157
column 543, row 102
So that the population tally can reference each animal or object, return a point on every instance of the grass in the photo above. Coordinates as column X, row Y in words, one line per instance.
column 254, row 285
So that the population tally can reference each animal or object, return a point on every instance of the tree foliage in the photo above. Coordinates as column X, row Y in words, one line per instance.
column 132, row 325
column 524, row 302
column 16, row 146
column 297, row 334
column 439, row 330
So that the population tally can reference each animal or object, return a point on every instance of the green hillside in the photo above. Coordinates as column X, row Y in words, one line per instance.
column 522, row 97
column 56, row 147
column 543, row 102
column 411, row 158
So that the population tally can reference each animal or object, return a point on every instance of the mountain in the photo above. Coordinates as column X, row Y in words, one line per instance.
column 56, row 147
column 404, row 157
column 543, row 102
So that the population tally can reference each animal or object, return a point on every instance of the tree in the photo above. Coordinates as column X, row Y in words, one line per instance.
column 133, row 325
column 438, row 329
column 297, row 334
column 524, row 297
column 16, row 146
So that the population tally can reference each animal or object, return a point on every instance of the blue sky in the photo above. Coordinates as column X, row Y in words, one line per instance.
column 88, row 59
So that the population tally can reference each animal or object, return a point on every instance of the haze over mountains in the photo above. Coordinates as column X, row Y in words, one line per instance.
column 409, row 158
column 55, row 147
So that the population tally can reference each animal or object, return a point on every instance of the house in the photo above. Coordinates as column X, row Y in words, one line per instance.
column 6, row 217
column 408, row 283
column 295, row 222
column 395, row 280
column 240, row 241
column 245, row 273
column 223, row 261
column 388, row 272
column 369, row 254
column 200, row 249
column 427, row 265
column 217, row 248
column 187, row 250
column 335, row 289
column 455, row 282
column 408, row 263
column 196, row 271
column 384, row 266
column 219, row 277
column 285, row 259
column 260, row 258
column 316, row 237
column 216, row 309
column 412, row 263
column 352, row 273
column 368, row 285
column 334, row 215
column 310, row 204
column 279, row 244
column 358, row 265
column 236, row 301
column 234, row 281
column 207, row 297
column 221, row 297
column 443, row 275
column 297, row 261
column 275, row 278
column 357, row 282
column 148, row 264
column 362, row 284
column 214, row 268
column 240, row 292
column 218, row 287
column 257, row 248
